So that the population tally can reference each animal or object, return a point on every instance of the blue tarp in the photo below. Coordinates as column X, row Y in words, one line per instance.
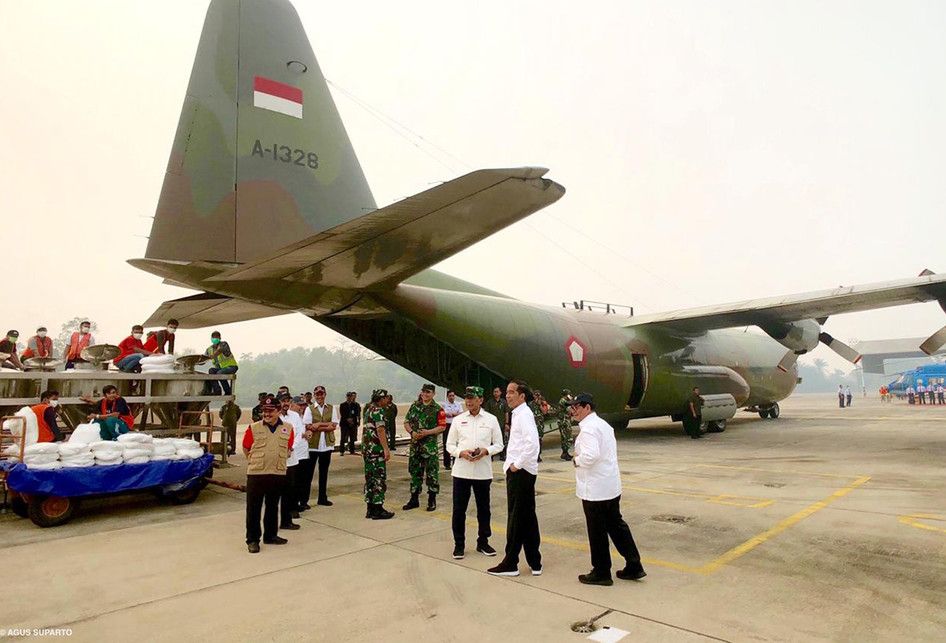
column 86, row 481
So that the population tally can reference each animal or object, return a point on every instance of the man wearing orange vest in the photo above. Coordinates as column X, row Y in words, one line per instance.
column 77, row 342
column 46, row 417
column 38, row 345
column 266, row 445
column 114, row 415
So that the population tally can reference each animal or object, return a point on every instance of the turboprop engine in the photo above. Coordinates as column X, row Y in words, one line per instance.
column 802, row 336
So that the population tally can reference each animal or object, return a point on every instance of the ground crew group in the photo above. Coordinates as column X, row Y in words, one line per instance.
column 473, row 437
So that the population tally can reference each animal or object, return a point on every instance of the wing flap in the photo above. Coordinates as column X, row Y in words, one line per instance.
column 399, row 240
column 812, row 305
column 209, row 309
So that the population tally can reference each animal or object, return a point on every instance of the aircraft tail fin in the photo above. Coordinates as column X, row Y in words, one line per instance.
column 261, row 158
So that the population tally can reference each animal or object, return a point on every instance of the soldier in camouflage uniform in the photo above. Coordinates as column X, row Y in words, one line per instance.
column 390, row 417
column 563, row 417
column 496, row 405
column 539, row 409
column 374, row 450
column 424, row 420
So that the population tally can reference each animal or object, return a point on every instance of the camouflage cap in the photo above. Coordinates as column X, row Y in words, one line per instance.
column 473, row 391
column 429, row 387
column 566, row 392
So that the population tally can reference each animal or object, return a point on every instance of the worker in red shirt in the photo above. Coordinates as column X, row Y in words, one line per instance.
column 131, row 351
column 161, row 342
column 266, row 445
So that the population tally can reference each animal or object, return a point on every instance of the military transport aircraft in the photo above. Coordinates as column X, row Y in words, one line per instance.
column 265, row 209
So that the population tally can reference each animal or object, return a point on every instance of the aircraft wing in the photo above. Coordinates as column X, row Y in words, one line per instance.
column 813, row 305
column 208, row 309
column 392, row 243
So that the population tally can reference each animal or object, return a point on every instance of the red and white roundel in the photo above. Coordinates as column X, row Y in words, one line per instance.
column 576, row 351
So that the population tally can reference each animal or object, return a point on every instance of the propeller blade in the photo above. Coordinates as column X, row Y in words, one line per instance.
column 934, row 342
column 787, row 361
column 841, row 348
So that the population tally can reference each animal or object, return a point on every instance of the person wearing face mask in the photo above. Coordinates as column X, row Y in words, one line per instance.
column 161, row 342
column 8, row 347
column 46, row 417
column 112, row 413
column 132, row 350
column 224, row 363
column 77, row 342
column 38, row 345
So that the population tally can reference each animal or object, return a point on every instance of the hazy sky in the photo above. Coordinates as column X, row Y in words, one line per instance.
column 712, row 151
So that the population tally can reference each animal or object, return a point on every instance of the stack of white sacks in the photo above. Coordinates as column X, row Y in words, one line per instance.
column 138, row 447
column 187, row 449
column 157, row 364
column 43, row 456
column 107, row 452
column 164, row 449
column 75, row 454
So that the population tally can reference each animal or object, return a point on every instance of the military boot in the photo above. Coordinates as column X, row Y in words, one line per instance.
column 381, row 513
column 431, row 502
column 369, row 511
column 413, row 503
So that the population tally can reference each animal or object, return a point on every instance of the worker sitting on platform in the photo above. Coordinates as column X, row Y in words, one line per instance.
column 113, row 415
column 132, row 350
column 159, row 339
column 77, row 343
column 46, row 417
column 38, row 345
column 8, row 347
column 224, row 363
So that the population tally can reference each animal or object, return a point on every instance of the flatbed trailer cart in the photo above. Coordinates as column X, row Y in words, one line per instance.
column 51, row 498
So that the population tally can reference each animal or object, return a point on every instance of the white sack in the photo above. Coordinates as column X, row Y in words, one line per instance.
column 149, row 360
column 50, row 466
column 135, row 437
column 40, row 458
column 41, row 447
column 185, row 443
column 86, row 434
column 67, row 450
column 32, row 426
column 141, row 460
column 131, row 453
column 107, row 446
column 189, row 454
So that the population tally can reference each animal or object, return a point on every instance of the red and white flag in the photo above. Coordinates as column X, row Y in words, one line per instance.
column 278, row 97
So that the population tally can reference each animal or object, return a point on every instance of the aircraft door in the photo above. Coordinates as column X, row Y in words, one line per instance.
column 639, row 385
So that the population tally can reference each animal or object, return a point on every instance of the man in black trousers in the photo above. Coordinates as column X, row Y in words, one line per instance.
column 598, row 484
column 350, row 413
column 266, row 445
column 521, row 467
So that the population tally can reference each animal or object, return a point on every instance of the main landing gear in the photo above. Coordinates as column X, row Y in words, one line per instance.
column 771, row 412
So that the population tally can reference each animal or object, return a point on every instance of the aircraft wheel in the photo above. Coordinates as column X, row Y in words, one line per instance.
column 717, row 426
column 774, row 411
column 764, row 413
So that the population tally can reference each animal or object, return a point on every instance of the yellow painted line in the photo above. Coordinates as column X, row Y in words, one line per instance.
column 744, row 548
column 764, row 470
column 913, row 520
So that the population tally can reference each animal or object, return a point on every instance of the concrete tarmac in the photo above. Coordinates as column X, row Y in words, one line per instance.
column 826, row 524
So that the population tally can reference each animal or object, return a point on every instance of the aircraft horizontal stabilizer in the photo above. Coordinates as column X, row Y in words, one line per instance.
column 208, row 309
column 388, row 245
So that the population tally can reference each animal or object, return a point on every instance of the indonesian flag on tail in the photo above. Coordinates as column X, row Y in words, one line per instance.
column 277, row 97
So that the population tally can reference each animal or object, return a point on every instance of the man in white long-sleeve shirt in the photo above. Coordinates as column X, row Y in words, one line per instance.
column 473, row 439
column 521, row 467
column 598, row 484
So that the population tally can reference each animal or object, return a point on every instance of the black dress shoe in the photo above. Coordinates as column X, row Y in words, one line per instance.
column 291, row 526
column 326, row 503
column 566, row 456
column 595, row 579
column 631, row 573
column 253, row 548
column 304, row 507
column 278, row 540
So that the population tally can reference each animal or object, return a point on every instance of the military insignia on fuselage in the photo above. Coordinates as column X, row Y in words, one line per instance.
column 576, row 351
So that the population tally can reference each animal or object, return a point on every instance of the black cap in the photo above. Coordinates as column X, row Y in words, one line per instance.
column 583, row 399
column 428, row 387
column 13, row 333
column 262, row 395
column 284, row 396
column 268, row 402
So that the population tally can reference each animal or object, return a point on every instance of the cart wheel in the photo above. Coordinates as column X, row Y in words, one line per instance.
column 50, row 511
column 185, row 496
column 19, row 507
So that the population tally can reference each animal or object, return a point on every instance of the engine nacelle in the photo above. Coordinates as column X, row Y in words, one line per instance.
column 801, row 336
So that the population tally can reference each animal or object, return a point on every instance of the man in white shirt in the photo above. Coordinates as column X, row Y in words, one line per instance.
column 320, row 420
column 451, row 409
column 288, row 507
column 920, row 392
column 598, row 484
column 940, row 394
column 473, row 439
column 521, row 467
